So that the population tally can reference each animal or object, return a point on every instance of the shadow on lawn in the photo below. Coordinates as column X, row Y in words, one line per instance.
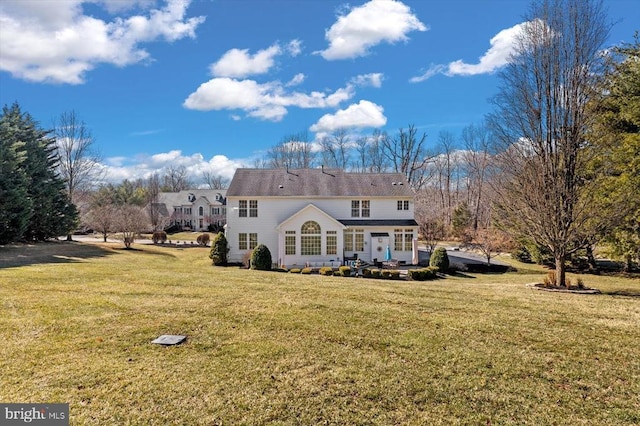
column 624, row 293
column 15, row 255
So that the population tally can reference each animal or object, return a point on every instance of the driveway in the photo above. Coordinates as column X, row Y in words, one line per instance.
column 459, row 256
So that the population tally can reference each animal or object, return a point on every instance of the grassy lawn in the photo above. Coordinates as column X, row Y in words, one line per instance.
column 77, row 319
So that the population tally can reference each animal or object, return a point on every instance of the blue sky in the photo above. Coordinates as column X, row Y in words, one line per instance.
column 211, row 85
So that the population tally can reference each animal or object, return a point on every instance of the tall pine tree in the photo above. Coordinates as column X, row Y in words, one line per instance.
column 15, row 205
column 36, row 190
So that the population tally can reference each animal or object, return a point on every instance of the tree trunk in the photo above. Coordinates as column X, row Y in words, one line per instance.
column 591, row 260
column 560, row 270
column 69, row 238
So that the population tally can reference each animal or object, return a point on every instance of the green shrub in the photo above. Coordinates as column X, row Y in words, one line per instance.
column 219, row 250
column 345, row 271
column 423, row 274
column 394, row 274
column 385, row 273
column 261, row 258
column 294, row 270
column 375, row 273
column 440, row 259
column 366, row 273
column 326, row 270
column 306, row 271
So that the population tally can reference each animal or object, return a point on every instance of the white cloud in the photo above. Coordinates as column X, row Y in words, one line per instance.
column 267, row 101
column 368, row 25
column 119, row 168
column 432, row 71
column 47, row 41
column 238, row 63
column 296, row 80
column 362, row 114
column 502, row 47
column 294, row 47
column 373, row 79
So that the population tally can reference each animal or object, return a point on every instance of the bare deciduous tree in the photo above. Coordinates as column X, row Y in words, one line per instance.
column 78, row 162
column 477, row 159
column 101, row 218
column 335, row 149
column 131, row 221
column 153, row 203
column 293, row 152
column 408, row 154
column 175, row 179
column 214, row 181
column 541, row 120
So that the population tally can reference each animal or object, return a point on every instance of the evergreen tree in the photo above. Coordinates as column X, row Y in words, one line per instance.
column 47, row 207
column 616, row 137
column 15, row 206
column 219, row 250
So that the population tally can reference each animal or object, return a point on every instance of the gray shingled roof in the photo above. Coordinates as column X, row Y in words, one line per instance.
column 316, row 183
column 171, row 199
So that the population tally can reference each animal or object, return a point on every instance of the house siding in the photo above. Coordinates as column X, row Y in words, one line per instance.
column 277, row 214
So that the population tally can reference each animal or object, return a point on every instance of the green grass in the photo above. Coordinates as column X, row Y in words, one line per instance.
column 76, row 322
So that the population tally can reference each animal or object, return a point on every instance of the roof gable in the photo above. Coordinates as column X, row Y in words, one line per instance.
column 309, row 210
column 316, row 183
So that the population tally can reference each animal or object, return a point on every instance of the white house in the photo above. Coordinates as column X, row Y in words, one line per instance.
column 194, row 209
column 320, row 216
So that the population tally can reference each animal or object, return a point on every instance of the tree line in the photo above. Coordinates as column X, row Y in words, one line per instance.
column 552, row 173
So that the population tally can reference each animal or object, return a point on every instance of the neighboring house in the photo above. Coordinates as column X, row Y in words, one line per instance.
column 320, row 216
column 194, row 209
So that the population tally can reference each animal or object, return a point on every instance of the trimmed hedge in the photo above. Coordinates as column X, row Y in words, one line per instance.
column 424, row 274
column 326, row 270
column 345, row 271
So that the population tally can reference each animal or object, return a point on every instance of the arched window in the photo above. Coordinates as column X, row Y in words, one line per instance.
column 201, row 211
column 311, row 239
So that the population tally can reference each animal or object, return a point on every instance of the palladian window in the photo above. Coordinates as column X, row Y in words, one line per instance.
column 310, row 239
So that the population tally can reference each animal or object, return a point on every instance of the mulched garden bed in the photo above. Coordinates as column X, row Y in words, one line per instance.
column 572, row 289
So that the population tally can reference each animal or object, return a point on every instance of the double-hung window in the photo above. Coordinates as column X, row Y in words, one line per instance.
column 290, row 242
column 247, row 208
column 332, row 242
column 403, row 239
column 403, row 204
column 360, row 208
column 253, row 208
column 353, row 239
column 242, row 208
column 247, row 241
